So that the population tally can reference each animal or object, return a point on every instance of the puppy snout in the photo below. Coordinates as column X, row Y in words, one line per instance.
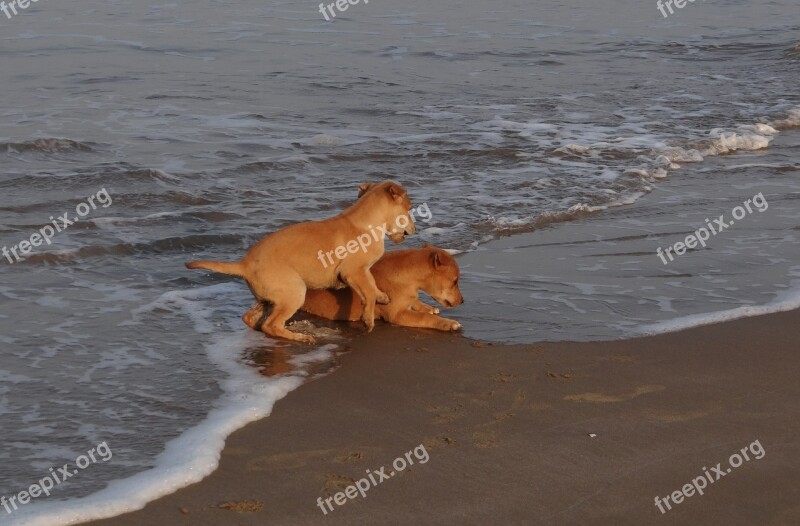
column 459, row 300
column 411, row 228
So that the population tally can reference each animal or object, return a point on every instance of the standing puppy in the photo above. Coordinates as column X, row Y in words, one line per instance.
column 281, row 267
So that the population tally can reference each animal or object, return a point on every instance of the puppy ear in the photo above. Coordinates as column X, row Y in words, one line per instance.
column 364, row 188
column 436, row 261
column 395, row 191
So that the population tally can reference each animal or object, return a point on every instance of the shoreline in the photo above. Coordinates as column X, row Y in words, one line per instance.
column 508, row 429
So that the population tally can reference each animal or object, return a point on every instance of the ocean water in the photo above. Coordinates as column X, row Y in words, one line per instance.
column 571, row 139
column 600, row 277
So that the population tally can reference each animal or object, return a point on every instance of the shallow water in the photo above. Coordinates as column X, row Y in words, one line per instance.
column 214, row 123
column 601, row 278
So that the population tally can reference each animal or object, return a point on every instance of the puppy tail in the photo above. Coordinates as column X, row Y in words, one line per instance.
column 232, row 269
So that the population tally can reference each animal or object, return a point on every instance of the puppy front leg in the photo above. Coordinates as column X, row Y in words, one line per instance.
column 409, row 318
column 362, row 282
column 420, row 306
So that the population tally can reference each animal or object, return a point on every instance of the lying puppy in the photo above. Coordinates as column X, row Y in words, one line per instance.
column 281, row 267
column 401, row 274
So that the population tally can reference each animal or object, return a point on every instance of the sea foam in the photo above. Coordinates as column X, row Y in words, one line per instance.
column 784, row 301
column 189, row 458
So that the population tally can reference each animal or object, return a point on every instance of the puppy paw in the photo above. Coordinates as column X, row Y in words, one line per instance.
column 383, row 298
column 449, row 325
column 370, row 324
column 304, row 338
column 424, row 308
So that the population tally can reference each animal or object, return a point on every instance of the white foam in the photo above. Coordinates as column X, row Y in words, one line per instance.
column 784, row 301
column 680, row 155
column 763, row 129
column 792, row 120
column 188, row 459
column 432, row 231
column 320, row 355
column 548, row 216
column 723, row 142
column 574, row 149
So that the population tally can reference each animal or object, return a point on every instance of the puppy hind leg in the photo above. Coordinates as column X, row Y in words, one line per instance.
column 255, row 317
column 275, row 325
column 286, row 301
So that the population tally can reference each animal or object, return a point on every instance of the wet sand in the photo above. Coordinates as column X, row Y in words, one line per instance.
column 551, row 434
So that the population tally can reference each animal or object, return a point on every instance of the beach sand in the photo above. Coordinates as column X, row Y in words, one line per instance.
column 552, row 434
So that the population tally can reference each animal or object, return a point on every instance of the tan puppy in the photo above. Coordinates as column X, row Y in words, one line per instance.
column 401, row 274
column 281, row 267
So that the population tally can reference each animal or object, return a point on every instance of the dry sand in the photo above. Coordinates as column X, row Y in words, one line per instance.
column 509, row 432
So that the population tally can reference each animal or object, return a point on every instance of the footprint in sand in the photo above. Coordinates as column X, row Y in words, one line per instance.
column 350, row 457
column 503, row 377
column 679, row 417
column 289, row 460
column 484, row 439
column 602, row 397
column 302, row 458
column 517, row 405
column 439, row 441
column 446, row 414
column 335, row 483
